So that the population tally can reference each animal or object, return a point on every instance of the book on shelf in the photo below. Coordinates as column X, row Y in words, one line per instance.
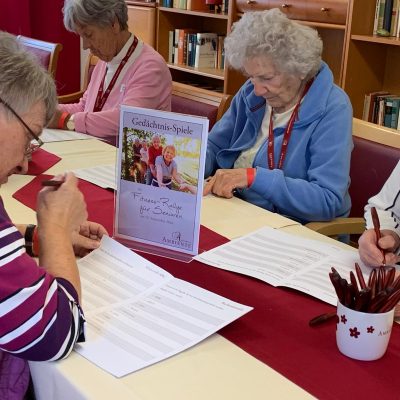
column 370, row 107
column 379, row 13
column 183, row 45
column 387, row 16
column 171, row 35
column 176, row 40
column 181, row 4
column 220, row 49
column 395, row 18
column 206, row 50
column 196, row 5
column 191, row 53
column 392, row 112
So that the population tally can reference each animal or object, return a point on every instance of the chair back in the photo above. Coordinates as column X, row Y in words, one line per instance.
column 376, row 153
column 192, row 100
column 89, row 68
column 90, row 64
column 45, row 52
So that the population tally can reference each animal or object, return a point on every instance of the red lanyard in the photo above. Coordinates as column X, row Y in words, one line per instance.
column 102, row 98
column 287, row 134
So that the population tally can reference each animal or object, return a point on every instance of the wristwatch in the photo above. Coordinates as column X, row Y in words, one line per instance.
column 71, row 123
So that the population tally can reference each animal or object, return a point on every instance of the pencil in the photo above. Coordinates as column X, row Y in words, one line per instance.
column 52, row 183
column 377, row 228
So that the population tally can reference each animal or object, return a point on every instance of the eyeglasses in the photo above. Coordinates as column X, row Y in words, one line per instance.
column 36, row 142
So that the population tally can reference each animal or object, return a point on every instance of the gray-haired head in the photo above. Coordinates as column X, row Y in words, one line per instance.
column 101, row 13
column 23, row 81
column 293, row 48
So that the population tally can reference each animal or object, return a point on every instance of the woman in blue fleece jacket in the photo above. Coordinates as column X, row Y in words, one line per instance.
column 289, row 99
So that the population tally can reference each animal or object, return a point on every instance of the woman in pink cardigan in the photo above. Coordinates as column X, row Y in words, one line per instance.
column 129, row 72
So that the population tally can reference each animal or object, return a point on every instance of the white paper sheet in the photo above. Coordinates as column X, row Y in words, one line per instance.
column 60, row 135
column 102, row 175
column 282, row 259
column 138, row 314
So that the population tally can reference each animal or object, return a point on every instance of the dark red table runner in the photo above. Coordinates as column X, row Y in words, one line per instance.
column 276, row 332
column 41, row 161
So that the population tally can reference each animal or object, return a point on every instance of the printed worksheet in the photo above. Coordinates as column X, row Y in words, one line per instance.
column 282, row 259
column 101, row 175
column 59, row 135
column 138, row 314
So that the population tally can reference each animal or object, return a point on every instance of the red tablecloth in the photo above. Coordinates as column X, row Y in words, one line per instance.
column 276, row 331
column 41, row 161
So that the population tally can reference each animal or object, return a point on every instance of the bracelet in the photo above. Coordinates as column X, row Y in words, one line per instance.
column 62, row 119
column 251, row 174
column 29, row 232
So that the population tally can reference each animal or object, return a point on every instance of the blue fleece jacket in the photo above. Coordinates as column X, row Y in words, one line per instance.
column 313, row 184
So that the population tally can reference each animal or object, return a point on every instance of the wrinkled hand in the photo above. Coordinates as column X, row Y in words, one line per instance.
column 61, row 207
column 225, row 181
column 371, row 254
column 87, row 238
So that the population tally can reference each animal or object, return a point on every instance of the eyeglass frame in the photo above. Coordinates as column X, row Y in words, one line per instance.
column 39, row 141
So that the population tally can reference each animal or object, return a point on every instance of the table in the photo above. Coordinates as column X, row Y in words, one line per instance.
column 213, row 369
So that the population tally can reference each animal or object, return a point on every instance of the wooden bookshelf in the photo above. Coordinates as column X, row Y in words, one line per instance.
column 142, row 20
column 203, row 21
column 371, row 62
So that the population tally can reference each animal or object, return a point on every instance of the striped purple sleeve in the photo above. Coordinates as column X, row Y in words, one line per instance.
column 40, row 318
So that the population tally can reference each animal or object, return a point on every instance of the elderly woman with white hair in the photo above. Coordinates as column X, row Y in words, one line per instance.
column 286, row 140
column 129, row 72
column 40, row 315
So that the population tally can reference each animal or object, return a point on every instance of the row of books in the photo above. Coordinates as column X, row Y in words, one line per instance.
column 382, row 108
column 198, row 5
column 196, row 49
column 387, row 21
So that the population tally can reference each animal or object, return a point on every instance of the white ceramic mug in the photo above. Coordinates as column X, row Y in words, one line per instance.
column 363, row 336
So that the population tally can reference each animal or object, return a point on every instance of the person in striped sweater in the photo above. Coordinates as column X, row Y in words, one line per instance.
column 40, row 313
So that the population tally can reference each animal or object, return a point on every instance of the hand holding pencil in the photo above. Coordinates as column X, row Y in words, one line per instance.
column 378, row 247
column 377, row 229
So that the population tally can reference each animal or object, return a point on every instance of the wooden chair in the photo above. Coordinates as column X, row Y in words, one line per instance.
column 376, row 153
column 74, row 97
column 192, row 100
column 46, row 52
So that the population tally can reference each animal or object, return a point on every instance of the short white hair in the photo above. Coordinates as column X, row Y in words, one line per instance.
column 293, row 48
column 101, row 13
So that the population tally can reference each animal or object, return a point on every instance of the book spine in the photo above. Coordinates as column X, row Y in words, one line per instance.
column 367, row 103
column 395, row 17
column 387, row 16
column 206, row 46
column 171, row 47
column 381, row 14
column 395, row 113
column 381, row 111
column 376, row 19
column 387, row 118
column 176, row 40
column 180, row 46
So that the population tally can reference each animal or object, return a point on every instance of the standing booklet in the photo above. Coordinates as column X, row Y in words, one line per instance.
column 160, row 175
